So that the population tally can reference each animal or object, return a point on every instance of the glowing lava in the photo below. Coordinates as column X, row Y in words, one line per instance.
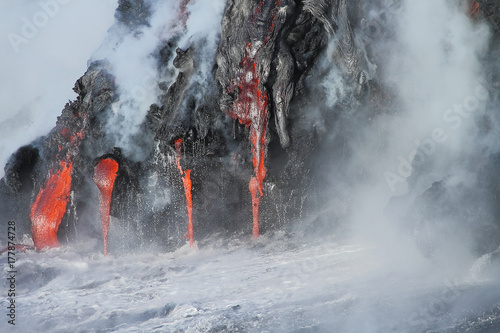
column 183, row 13
column 474, row 8
column 105, row 173
column 250, row 107
column 186, row 180
column 50, row 206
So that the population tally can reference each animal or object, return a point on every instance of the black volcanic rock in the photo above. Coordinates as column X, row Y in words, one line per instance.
column 292, row 40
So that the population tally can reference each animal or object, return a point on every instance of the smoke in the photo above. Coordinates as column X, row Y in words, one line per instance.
column 438, row 78
column 135, row 69
column 204, row 24
column 133, row 56
column 407, row 162
column 430, row 62
column 43, row 49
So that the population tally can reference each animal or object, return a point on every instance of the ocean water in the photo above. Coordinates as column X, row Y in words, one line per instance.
column 273, row 284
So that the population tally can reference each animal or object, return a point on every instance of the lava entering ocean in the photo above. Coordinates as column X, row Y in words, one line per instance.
column 49, row 207
column 190, row 107
column 251, row 109
column 186, row 182
column 285, row 74
column 105, row 173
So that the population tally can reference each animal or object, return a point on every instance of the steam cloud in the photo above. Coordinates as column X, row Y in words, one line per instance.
column 436, row 73
column 435, row 70
column 430, row 58
column 39, row 72
column 136, row 70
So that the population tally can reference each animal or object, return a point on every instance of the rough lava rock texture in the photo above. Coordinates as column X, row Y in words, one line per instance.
column 269, row 48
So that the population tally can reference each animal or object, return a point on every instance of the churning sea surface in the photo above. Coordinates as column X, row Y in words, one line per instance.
column 273, row 284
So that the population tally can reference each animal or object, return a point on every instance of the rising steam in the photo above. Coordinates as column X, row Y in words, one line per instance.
column 38, row 72
column 379, row 134
column 430, row 57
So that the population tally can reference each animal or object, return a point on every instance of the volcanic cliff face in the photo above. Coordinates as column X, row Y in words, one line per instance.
column 234, row 137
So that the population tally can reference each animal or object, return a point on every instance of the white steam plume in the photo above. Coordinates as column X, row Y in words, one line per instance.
column 204, row 25
column 136, row 70
column 433, row 66
column 44, row 48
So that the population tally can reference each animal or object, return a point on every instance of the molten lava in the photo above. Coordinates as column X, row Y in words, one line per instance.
column 474, row 8
column 186, row 180
column 105, row 173
column 50, row 206
column 183, row 12
column 250, row 108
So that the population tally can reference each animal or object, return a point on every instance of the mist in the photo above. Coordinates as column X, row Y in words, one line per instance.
column 403, row 239
column 431, row 57
column 135, row 63
column 43, row 50
column 436, row 75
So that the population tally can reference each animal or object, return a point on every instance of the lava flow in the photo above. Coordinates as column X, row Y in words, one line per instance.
column 105, row 173
column 474, row 8
column 186, row 180
column 50, row 206
column 251, row 110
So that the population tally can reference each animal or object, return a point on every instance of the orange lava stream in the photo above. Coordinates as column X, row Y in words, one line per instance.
column 474, row 8
column 105, row 173
column 183, row 12
column 259, row 146
column 186, row 180
column 50, row 206
column 251, row 110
